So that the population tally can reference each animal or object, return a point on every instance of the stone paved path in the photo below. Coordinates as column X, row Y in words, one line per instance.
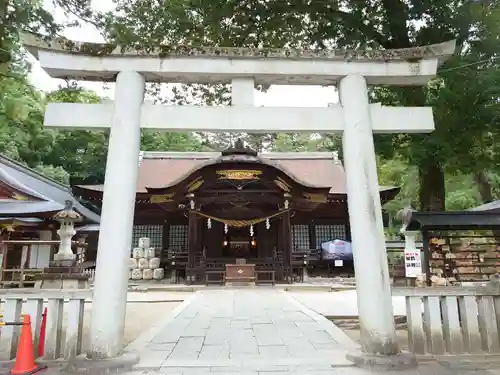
column 242, row 330
column 425, row 369
column 256, row 332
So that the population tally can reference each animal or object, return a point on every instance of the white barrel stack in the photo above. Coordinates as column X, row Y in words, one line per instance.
column 144, row 265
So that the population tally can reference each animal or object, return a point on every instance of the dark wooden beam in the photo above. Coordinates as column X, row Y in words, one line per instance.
column 312, row 234
column 165, row 237
column 231, row 198
column 240, row 191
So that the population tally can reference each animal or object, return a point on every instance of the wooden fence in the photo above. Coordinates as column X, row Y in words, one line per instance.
column 452, row 320
column 21, row 275
column 65, row 314
column 90, row 272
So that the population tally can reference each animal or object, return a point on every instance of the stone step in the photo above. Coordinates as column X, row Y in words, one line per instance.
column 241, row 283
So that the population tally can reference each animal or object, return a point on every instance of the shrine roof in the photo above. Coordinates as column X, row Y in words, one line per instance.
column 34, row 42
column 487, row 207
column 33, row 193
column 454, row 220
column 312, row 169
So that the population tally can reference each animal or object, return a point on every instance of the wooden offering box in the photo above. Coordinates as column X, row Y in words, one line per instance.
column 240, row 274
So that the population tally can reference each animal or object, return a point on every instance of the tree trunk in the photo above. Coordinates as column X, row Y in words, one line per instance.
column 484, row 186
column 5, row 46
column 432, row 188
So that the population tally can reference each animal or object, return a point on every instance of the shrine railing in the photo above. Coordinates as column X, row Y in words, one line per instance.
column 452, row 320
column 20, row 273
column 65, row 331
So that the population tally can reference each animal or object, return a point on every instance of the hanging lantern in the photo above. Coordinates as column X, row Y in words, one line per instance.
column 251, row 230
column 286, row 204
column 209, row 223
column 225, row 228
column 268, row 224
column 191, row 203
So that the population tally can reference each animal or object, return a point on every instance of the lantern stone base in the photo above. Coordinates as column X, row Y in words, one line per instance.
column 62, row 274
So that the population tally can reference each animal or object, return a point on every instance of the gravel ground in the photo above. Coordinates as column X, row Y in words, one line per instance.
column 140, row 317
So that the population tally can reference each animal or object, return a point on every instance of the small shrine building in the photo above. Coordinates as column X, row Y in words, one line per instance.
column 28, row 231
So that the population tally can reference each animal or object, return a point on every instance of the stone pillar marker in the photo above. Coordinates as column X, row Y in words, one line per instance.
column 379, row 347
column 115, row 235
column 410, row 239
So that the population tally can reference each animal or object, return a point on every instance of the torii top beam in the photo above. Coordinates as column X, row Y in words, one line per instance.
column 62, row 58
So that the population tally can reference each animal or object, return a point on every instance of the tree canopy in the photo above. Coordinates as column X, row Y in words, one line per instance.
column 462, row 98
column 454, row 167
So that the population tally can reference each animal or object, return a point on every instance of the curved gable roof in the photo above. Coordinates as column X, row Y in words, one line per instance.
column 289, row 169
column 318, row 169
column 313, row 169
column 51, row 194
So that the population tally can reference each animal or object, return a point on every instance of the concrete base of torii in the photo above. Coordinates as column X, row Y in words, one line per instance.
column 118, row 364
column 400, row 361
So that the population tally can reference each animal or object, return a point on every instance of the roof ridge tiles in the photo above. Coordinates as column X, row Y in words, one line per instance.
column 207, row 155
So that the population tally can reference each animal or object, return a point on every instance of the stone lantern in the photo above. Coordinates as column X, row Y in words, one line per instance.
column 67, row 219
column 63, row 272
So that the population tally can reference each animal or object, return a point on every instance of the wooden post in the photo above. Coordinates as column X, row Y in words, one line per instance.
column 25, row 252
column 426, row 262
column 287, row 244
column 312, row 235
column 348, row 232
column 3, row 252
column 165, row 240
column 279, row 245
column 191, row 244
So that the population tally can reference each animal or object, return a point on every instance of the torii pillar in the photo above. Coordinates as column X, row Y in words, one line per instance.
column 379, row 346
column 244, row 68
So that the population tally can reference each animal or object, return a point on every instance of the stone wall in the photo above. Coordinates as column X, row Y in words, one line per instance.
column 464, row 259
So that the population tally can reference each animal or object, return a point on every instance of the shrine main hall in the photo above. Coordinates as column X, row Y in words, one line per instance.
column 203, row 210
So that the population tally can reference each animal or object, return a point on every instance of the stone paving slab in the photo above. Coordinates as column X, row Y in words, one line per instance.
column 244, row 330
column 424, row 369
column 253, row 332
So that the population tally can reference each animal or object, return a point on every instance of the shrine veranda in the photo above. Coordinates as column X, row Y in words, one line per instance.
column 351, row 71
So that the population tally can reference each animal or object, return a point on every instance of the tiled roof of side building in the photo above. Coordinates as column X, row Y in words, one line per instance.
column 40, row 187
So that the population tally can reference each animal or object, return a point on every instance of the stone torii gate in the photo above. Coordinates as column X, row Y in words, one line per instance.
column 243, row 68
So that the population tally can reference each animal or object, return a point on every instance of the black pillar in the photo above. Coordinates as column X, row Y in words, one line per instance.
column 191, row 239
column 165, row 240
column 312, row 235
column 287, row 244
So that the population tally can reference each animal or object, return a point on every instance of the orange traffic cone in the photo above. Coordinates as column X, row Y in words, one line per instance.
column 25, row 358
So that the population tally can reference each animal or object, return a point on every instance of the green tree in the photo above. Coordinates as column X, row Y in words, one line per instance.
column 55, row 173
column 22, row 107
column 305, row 142
column 79, row 152
column 351, row 24
column 21, row 117
column 33, row 16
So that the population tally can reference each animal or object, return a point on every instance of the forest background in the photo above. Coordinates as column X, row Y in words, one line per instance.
column 455, row 167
